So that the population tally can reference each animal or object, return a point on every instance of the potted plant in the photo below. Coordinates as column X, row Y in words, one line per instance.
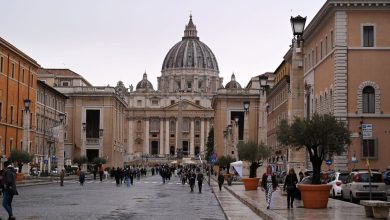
column 255, row 154
column 321, row 135
column 20, row 157
column 80, row 160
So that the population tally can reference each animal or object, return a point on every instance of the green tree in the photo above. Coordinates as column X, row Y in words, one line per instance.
column 224, row 162
column 210, row 144
column 253, row 153
column 20, row 157
column 80, row 160
column 99, row 161
column 322, row 135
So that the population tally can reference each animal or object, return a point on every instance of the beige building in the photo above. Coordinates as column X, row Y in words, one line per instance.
column 125, row 124
column 240, row 115
column 346, row 52
column 50, row 106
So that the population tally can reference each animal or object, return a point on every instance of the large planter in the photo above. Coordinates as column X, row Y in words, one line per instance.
column 227, row 176
column 251, row 183
column 19, row 176
column 314, row 196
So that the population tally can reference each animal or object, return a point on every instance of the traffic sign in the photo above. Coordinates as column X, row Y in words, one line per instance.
column 328, row 162
column 45, row 161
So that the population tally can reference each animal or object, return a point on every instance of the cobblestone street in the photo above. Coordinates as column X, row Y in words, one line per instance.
column 146, row 199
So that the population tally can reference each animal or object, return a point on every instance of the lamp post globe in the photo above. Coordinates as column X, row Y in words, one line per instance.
column 27, row 103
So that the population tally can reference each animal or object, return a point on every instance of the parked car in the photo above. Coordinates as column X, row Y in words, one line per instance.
column 386, row 177
column 336, row 180
column 357, row 187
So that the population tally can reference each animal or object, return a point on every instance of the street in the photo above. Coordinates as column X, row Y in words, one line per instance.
column 146, row 199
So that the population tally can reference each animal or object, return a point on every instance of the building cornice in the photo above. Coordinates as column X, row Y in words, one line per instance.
column 18, row 52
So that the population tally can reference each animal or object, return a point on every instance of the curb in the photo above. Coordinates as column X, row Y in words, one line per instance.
column 267, row 215
column 219, row 201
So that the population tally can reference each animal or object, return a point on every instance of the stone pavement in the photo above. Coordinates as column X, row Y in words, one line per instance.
column 255, row 200
column 231, row 206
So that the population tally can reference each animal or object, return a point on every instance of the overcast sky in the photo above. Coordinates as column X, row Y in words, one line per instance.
column 110, row 40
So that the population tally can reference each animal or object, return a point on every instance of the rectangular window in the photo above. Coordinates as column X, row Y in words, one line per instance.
column 316, row 54
column 172, row 102
column 13, row 71
column 331, row 40
column 189, row 85
column 139, row 102
column 326, row 45
column 154, row 102
column 312, row 58
column 12, row 114
column 1, row 64
column 1, row 111
column 23, row 76
column 11, row 145
column 369, row 148
column 197, row 102
column 66, row 83
column 368, row 36
column 321, row 50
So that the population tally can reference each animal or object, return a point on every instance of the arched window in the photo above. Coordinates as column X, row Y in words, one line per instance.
column 368, row 99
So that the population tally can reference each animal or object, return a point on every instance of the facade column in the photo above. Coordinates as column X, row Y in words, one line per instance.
column 161, row 144
column 202, row 140
column 207, row 127
column 60, row 149
column 167, row 136
column 192, row 138
column 146, row 145
column 130, row 146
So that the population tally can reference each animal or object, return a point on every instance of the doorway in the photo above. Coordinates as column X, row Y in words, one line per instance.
column 154, row 148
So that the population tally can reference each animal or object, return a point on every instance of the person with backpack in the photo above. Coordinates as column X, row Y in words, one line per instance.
column 9, row 188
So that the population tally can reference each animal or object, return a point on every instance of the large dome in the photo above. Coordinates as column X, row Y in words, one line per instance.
column 190, row 53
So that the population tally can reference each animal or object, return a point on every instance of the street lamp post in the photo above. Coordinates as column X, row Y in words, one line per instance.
column 26, row 129
column 60, row 151
column 246, row 110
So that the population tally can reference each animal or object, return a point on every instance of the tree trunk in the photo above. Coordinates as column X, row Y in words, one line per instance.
column 253, row 169
column 316, row 162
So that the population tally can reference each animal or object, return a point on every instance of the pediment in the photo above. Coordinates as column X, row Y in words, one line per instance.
column 186, row 106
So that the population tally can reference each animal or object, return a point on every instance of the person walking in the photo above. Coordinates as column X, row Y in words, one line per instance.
column 192, row 181
column 82, row 178
column 62, row 176
column 101, row 172
column 290, row 184
column 221, row 179
column 269, row 184
column 200, row 178
column 117, row 174
column 9, row 189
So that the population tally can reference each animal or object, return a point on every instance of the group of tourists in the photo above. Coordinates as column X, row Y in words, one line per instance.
column 192, row 174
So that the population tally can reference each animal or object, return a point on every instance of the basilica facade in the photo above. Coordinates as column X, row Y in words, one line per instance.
column 177, row 115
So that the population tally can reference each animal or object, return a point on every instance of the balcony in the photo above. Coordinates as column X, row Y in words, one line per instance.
column 93, row 141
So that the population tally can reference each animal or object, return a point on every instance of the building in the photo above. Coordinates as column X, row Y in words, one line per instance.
column 18, row 88
column 176, row 117
column 284, row 102
column 50, row 106
column 96, row 117
column 128, row 124
column 345, row 54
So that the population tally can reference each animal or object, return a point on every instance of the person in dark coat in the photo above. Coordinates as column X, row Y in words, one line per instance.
column 269, row 184
column 192, row 181
column 101, row 172
column 200, row 178
column 82, row 178
column 221, row 179
column 117, row 175
column 62, row 176
column 9, row 188
column 290, row 184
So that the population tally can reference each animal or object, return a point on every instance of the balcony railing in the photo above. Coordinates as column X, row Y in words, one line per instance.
column 92, row 141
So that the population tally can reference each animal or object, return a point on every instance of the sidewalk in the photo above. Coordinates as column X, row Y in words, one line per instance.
column 233, row 208
column 255, row 200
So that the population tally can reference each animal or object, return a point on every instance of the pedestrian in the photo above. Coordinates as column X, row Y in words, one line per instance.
column 9, row 188
column 221, row 179
column 62, row 176
column 192, row 181
column 290, row 184
column 200, row 178
column 300, row 176
column 117, row 174
column 82, row 178
column 101, row 172
column 268, row 184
